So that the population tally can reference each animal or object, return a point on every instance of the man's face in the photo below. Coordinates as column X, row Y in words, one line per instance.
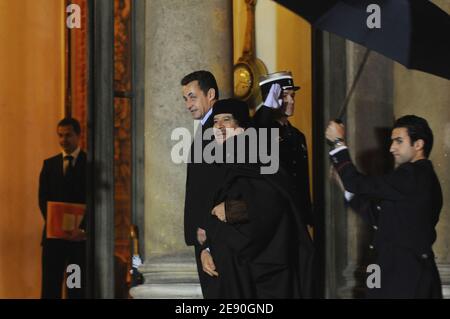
column 401, row 147
column 225, row 126
column 196, row 101
column 288, row 107
column 67, row 138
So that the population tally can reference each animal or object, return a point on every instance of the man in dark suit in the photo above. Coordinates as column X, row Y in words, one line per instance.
column 402, row 207
column 200, row 92
column 63, row 179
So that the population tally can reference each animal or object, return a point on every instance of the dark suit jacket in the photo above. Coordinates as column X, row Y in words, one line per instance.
column 199, row 195
column 403, row 208
column 54, row 186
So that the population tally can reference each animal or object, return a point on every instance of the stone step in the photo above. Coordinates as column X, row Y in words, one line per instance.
column 171, row 276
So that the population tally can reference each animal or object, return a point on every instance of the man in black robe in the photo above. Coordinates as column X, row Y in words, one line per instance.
column 403, row 208
column 258, row 245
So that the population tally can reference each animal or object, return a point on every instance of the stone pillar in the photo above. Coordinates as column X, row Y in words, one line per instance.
column 327, row 196
column 180, row 37
column 369, row 120
column 100, row 283
column 428, row 96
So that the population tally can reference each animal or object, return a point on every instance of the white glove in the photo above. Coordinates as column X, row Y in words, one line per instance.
column 273, row 98
column 136, row 261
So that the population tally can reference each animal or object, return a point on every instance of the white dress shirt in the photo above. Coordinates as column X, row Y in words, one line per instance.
column 206, row 117
column 66, row 162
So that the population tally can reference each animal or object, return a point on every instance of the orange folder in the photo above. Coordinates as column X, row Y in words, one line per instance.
column 62, row 218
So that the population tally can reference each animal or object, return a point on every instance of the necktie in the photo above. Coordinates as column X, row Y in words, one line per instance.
column 69, row 167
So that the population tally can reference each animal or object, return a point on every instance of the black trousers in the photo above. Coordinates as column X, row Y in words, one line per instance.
column 57, row 255
column 406, row 275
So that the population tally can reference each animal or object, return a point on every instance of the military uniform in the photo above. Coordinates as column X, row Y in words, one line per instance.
column 294, row 159
column 292, row 142
column 403, row 209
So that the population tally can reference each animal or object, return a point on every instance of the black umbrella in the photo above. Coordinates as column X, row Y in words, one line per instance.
column 311, row 10
column 415, row 33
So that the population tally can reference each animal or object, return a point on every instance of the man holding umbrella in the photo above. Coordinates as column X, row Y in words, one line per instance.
column 402, row 207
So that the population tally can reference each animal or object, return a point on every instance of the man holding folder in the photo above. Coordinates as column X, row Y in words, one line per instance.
column 62, row 196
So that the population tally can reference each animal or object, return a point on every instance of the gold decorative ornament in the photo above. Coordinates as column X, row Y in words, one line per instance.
column 243, row 80
column 248, row 68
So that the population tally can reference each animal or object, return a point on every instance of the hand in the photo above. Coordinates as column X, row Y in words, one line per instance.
column 219, row 212
column 273, row 98
column 77, row 235
column 208, row 263
column 136, row 261
column 335, row 131
column 201, row 236
column 334, row 176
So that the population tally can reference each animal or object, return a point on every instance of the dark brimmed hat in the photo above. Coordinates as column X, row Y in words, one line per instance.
column 283, row 78
column 237, row 108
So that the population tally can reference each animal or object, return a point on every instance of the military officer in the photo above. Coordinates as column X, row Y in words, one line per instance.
column 278, row 92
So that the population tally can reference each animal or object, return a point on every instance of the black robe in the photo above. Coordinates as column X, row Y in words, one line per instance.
column 270, row 256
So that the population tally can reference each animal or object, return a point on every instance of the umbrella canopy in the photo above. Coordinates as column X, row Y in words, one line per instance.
column 415, row 33
column 311, row 11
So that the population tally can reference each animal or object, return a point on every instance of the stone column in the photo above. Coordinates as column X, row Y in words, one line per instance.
column 180, row 37
column 428, row 96
column 369, row 120
column 327, row 196
column 100, row 283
